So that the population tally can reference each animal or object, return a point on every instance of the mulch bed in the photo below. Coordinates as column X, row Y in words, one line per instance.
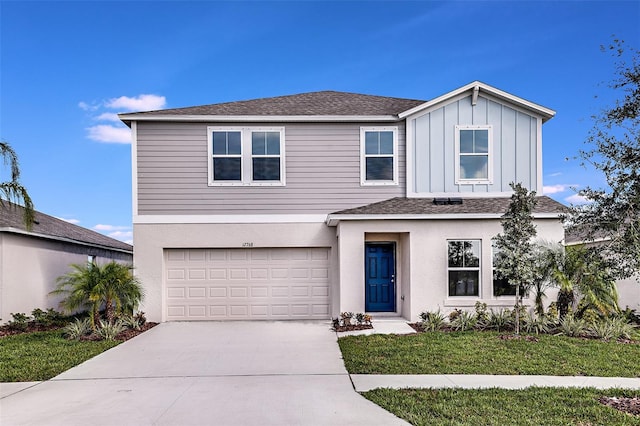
column 352, row 327
column 33, row 327
column 621, row 403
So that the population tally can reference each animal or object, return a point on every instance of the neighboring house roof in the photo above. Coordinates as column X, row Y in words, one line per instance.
column 442, row 208
column 327, row 106
column 49, row 227
column 581, row 235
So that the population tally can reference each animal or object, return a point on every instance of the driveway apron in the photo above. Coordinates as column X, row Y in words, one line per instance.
column 205, row 373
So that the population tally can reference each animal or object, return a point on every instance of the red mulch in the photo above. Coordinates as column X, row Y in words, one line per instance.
column 352, row 327
column 621, row 403
column 33, row 327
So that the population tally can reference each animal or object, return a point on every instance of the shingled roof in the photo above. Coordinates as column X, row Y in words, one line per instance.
column 437, row 206
column 324, row 103
column 11, row 220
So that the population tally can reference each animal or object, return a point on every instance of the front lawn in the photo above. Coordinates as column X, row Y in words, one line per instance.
column 532, row 406
column 487, row 353
column 43, row 355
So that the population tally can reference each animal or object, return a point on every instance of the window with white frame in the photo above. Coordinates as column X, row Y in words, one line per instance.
column 464, row 267
column 246, row 156
column 379, row 155
column 474, row 154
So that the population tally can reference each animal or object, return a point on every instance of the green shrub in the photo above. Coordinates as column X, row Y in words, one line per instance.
column 47, row 318
column 572, row 327
column 464, row 321
column 77, row 329
column 500, row 320
column 20, row 321
column 611, row 328
column 109, row 331
column 432, row 321
column 537, row 324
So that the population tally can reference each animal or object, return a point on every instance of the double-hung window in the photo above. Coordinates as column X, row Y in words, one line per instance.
column 246, row 156
column 379, row 155
column 464, row 267
column 227, row 156
column 474, row 154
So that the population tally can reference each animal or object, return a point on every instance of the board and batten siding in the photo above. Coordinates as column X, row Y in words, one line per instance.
column 515, row 146
column 322, row 166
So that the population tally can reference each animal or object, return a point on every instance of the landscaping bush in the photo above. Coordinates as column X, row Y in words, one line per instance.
column 432, row 321
column 20, row 321
column 78, row 329
column 501, row 320
column 109, row 331
column 464, row 321
column 572, row 326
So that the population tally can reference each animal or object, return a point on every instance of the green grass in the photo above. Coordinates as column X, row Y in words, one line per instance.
column 43, row 355
column 485, row 353
column 532, row 406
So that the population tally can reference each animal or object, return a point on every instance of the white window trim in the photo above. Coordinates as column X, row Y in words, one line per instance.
column 489, row 179
column 465, row 268
column 246, row 156
column 363, row 163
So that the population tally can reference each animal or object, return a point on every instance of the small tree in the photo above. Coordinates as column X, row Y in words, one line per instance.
column 12, row 190
column 515, row 243
column 613, row 215
column 111, row 286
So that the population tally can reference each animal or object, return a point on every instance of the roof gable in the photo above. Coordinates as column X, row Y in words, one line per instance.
column 11, row 220
column 475, row 88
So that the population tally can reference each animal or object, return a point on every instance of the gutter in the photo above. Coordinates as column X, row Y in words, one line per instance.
column 334, row 219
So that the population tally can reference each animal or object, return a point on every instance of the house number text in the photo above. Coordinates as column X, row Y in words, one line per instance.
column 247, row 244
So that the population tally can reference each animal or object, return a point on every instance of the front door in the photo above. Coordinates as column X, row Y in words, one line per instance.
column 380, row 277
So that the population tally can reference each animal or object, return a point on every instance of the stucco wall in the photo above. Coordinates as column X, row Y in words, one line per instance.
column 152, row 239
column 423, row 277
column 629, row 293
column 30, row 266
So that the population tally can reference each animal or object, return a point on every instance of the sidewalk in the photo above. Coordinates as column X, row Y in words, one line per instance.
column 394, row 325
column 367, row 382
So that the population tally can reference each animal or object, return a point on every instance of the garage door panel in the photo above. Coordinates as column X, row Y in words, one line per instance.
column 247, row 283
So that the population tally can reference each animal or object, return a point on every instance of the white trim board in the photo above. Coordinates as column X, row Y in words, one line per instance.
column 229, row 218
column 129, row 118
column 332, row 220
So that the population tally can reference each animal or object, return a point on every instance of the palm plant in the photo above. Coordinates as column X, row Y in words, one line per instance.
column 92, row 287
column 13, row 190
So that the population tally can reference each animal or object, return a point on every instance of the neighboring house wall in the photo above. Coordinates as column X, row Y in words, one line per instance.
column 322, row 171
column 30, row 266
column 629, row 293
column 514, row 149
column 421, row 261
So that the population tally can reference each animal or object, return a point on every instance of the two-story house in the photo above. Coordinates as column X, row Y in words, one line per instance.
column 305, row 206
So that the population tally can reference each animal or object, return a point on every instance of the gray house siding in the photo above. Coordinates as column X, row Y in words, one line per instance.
column 322, row 171
column 515, row 147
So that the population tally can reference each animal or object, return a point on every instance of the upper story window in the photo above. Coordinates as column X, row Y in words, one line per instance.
column 246, row 156
column 227, row 155
column 379, row 155
column 464, row 267
column 474, row 160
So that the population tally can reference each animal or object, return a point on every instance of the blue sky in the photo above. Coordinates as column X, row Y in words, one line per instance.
column 67, row 67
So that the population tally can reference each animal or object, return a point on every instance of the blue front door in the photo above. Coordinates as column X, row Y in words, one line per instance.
column 380, row 274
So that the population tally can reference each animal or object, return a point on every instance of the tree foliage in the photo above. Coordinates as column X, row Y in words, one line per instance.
column 515, row 243
column 613, row 215
column 92, row 287
column 12, row 190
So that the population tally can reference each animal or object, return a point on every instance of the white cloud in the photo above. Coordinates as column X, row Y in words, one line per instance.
column 102, row 227
column 555, row 174
column 577, row 199
column 108, row 116
column 87, row 107
column 554, row 189
column 121, row 235
column 110, row 134
column 74, row 221
column 139, row 103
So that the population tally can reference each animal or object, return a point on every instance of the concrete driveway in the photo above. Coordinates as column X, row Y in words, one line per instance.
column 208, row 373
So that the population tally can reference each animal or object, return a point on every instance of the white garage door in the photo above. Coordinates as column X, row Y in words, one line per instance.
column 275, row 283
